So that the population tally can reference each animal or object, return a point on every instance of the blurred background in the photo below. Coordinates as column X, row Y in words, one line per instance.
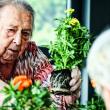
column 46, row 12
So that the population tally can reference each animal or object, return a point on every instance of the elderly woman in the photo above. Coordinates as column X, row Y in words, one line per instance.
column 98, row 65
column 20, row 56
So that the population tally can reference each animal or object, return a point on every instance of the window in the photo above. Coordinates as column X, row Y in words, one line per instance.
column 46, row 12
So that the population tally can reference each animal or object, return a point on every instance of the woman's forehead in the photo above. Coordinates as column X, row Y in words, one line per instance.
column 11, row 15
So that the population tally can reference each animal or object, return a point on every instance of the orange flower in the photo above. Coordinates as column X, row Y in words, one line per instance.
column 23, row 81
column 93, row 83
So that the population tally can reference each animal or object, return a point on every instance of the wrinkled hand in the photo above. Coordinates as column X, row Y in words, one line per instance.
column 5, row 41
column 75, row 82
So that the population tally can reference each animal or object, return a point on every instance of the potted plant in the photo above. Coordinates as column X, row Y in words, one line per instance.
column 22, row 94
column 68, row 51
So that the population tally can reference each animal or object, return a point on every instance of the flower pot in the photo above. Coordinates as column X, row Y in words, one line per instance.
column 60, row 82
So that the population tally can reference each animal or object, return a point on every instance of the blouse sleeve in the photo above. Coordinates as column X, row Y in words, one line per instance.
column 41, row 65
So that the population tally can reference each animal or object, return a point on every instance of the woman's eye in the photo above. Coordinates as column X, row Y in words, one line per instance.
column 11, row 31
column 26, row 34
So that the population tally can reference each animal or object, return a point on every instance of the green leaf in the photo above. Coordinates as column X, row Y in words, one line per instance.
column 7, row 99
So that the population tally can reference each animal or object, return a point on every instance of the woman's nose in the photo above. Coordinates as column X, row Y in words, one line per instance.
column 17, row 38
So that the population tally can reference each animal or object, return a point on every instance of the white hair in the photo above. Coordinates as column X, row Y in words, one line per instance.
column 98, row 61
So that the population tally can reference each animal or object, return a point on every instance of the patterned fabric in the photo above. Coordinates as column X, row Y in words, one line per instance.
column 35, row 64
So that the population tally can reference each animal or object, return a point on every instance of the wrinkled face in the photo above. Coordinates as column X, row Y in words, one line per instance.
column 17, row 23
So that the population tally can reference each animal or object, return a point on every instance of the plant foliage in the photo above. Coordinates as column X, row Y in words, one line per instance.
column 72, row 43
column 34, row 97
column 95, row 103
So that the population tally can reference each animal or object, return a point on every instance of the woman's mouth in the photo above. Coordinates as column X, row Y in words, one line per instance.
column 10, row 55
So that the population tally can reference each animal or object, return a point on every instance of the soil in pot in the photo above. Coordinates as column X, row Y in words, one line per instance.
column 60, row 82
